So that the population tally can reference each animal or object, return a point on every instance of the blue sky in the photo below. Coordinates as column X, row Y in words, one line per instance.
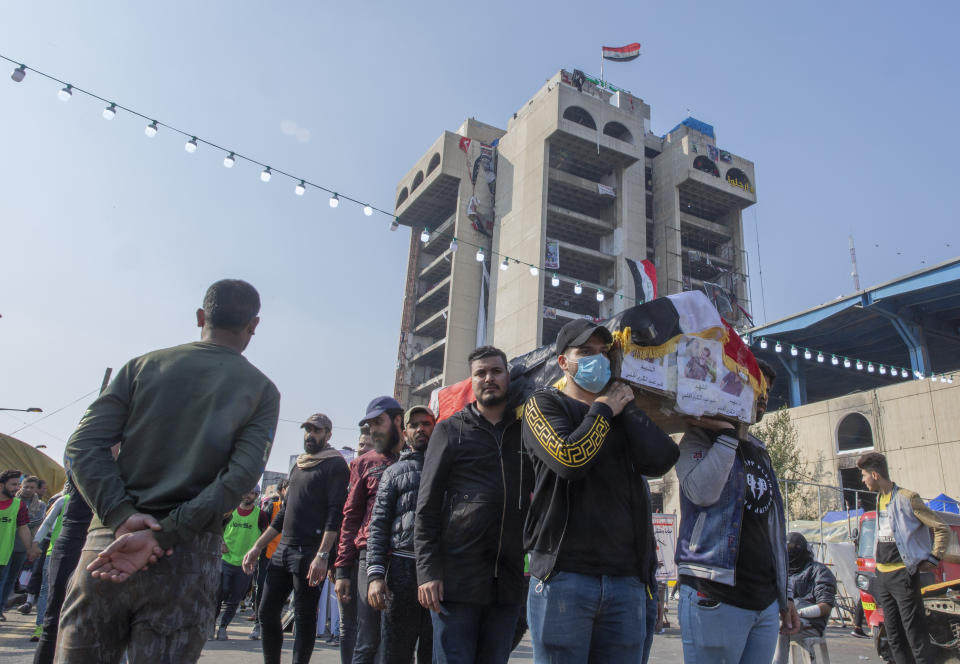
column 109, row 239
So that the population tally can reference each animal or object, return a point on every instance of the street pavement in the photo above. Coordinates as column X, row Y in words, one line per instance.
column 15, row 647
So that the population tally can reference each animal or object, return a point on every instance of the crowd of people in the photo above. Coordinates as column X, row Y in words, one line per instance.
column 442, row 541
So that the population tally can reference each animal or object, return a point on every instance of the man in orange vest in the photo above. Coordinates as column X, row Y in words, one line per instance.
column 272, row 506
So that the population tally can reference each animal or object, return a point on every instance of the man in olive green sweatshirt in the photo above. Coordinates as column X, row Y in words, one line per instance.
column 194, row 424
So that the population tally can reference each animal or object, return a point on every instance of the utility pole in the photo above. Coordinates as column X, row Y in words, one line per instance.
column 853, row 262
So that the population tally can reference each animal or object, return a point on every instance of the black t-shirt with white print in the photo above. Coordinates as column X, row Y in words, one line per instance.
column 755, row 573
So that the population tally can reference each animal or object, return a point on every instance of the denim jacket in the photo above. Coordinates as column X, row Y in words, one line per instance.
column 712, row 486
column 911, row 520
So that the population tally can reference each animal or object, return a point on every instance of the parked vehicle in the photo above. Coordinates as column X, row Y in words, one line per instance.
column 940, row 589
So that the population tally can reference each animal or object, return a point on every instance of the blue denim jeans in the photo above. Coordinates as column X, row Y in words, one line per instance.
column 474, row 633
column 651, row 626
column 44, row 589
column 725, row 634
column 581, row 618
column 9, row 575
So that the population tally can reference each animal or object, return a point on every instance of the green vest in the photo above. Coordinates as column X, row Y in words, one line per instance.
column 58, row 524
column 8, row 530
column 240, row 535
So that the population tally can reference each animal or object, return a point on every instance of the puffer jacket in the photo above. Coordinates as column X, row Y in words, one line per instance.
column 394, row 511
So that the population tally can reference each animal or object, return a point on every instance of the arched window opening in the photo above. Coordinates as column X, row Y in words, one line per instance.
column 402, row 197
column 854, row 433
column 417, row 180
column 580, row 116
column 706, row 165
column 434, row 162
column 618, row 131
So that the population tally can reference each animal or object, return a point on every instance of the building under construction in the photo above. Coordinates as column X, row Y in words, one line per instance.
column 517, row 231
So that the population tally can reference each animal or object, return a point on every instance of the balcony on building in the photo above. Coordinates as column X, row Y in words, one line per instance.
column 428, row 192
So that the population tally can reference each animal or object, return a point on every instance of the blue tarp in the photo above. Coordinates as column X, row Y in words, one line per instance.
column 833, row 517
column 944, row 503
column 698, row 125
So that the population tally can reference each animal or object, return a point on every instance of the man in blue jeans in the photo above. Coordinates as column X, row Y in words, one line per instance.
column 473, row 496
column 589, row 530
column 731, row 548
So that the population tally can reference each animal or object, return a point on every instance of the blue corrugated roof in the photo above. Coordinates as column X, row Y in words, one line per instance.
column 698, row 125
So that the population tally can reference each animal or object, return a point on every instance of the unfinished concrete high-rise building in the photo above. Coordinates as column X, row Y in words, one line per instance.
column 577, row 181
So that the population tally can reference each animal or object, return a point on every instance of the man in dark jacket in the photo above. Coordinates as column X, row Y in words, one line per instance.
column 385, row 417
column 308, row 522
column 814, row 592
column 589, row 531
column 468, row 531
column 393, row 579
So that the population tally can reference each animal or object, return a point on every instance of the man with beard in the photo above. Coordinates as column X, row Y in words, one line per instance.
column 308, row 522
column 14, row 525
column 385, row 417
column 243, row 529
column 814, row 591
column 393, row 579
column 468, row 535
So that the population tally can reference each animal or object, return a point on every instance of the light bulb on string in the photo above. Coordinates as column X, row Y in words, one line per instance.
column 778, row 348
column 806, row 354
column 917, row 375
column 480, row 255
column 425, row 235
column 335, row 200
column 834, row 361
column 578, row 288
column 17, row 74
column 367, row 210
column 763, row 344
column 846, row 363
column 301, row 188
column 395, row 224
column 453, row 246
column 859, row 365
column 265, row 174
column 229, row 161
column 903, row 373
column 191, row 145
column 554, row 280
column 820, row 357
column 599, row 295
column 505, row 264
column 793, row 350
column 950, row 379
column 869, row 367
column 65, row 93
column 534, row 270
column 883, row 370
column 110, row 112
column 151, row 129
column 943, row 379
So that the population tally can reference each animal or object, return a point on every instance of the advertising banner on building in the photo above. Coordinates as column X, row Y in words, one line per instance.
column 551, row 256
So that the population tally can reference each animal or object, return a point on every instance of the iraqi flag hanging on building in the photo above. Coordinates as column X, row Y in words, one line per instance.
column 644, row 279
column 621, row 53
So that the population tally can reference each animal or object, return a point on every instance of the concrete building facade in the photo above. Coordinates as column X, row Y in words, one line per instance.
column 578, row 177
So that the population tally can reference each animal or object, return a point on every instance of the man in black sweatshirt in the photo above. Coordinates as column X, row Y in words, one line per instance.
column 468, row 530
column 308, row 523
column 588, row 530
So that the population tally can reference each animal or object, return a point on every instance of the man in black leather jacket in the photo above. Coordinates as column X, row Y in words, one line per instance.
column 392, row 579
column 474, row 494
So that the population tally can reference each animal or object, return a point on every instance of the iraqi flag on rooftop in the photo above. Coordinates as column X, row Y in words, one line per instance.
column 621, row 53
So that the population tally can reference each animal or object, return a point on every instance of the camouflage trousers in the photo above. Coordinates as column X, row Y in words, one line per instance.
column 161, row 615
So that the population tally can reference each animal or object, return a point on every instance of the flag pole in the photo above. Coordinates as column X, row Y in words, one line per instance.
column 601, row 66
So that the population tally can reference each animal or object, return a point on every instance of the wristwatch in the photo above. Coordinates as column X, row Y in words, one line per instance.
column 323, row 556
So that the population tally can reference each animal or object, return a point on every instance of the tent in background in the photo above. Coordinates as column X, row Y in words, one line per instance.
column 18, row 455
column 944, row 503
column 834, row 516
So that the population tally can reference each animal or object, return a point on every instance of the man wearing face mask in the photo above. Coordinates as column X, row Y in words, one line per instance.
column 589, row 529
column 393, row 578
column 308, row 523
column 385, row 418
column 814, row 591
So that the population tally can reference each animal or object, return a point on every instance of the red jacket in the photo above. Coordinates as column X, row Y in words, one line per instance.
column 365, row 472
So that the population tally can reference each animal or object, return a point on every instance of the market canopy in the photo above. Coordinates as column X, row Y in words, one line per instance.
column 18, row 455
column 944, row 503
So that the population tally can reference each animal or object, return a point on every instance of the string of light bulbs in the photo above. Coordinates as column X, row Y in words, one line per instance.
column 194, row 142
column 821, row 357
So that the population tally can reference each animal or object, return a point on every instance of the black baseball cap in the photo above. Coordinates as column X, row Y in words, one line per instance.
column 578, row 331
